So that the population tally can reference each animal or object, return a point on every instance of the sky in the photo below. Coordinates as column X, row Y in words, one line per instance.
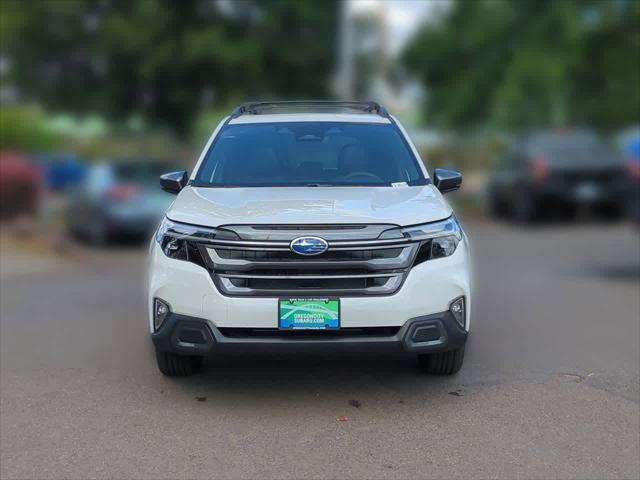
column 403, row 16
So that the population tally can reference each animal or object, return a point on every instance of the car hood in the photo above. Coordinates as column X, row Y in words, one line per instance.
column 309, row 205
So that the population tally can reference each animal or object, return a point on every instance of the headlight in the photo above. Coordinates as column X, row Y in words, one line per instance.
column 180, row 240
column 439, row 239
column 173, row 239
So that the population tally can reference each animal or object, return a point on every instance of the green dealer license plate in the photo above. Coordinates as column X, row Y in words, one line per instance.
column 308, row 313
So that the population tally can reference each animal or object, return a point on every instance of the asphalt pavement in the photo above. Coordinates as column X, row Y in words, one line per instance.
column 549, row 389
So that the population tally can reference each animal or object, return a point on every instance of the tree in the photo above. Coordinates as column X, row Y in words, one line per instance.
column 163, row 59
column 523, row 63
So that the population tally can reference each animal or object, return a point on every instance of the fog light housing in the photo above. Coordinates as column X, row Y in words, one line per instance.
column 457, row 310
column 160, row 313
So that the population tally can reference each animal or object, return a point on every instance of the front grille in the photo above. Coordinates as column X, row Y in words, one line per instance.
column 260, row 263
column 316, row 285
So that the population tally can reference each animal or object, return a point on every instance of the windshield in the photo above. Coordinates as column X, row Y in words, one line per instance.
column 309, row 153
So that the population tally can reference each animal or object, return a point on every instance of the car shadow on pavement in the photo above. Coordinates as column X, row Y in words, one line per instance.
column 614, row 272
column 344, row 377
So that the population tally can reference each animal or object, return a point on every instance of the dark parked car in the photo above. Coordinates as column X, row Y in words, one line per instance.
column 557, row 172
column 118, row 199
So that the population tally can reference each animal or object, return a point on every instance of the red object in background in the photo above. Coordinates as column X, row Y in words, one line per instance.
column 539, row 168
column 122, row 192
column 20, row 185
column 633, row 168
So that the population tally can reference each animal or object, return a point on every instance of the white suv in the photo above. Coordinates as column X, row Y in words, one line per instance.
column 313, row 225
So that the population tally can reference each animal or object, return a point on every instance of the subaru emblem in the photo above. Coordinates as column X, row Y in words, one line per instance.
column 308, row 245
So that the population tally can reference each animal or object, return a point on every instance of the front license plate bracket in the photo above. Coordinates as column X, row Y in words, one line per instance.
column 309, row 313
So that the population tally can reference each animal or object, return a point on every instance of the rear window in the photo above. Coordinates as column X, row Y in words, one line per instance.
column 309, row 153
column 572, row 149
column 141, row 171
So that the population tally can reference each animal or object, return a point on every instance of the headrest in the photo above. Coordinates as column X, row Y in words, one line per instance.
column 259, row 164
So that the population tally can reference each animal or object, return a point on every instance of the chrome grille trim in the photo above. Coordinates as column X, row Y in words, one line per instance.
column 228, row 288
column 306, row 277
column 371, row 247
column 254, row 249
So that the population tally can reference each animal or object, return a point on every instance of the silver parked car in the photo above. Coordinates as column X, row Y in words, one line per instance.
column 118, row 199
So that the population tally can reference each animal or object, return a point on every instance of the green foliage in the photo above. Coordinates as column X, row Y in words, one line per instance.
column 23, row 128
column 207, row 121
column 475, row 155
column 166, row 60
column 150, row 146
column 531, row 63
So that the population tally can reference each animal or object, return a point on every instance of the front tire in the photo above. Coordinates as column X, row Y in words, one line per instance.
column 497, row 208
column 98, row 234
column 174, row 365
column 524, row 208
column 443, row 363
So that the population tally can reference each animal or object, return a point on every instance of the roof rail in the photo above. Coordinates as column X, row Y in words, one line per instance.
column 257, row 108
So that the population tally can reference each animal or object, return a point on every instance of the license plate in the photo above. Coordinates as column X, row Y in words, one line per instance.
column 586, row 192
column 308, row 313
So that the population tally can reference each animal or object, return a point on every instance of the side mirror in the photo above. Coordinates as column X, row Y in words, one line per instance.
column 447, row 180
column 174, row 182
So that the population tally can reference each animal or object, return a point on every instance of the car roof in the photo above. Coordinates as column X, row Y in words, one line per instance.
column 309, row 111
column 311, row 117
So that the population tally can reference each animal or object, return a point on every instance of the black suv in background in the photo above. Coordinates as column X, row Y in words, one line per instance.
column 547, row 173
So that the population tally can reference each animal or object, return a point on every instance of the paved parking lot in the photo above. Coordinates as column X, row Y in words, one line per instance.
column 550, row 387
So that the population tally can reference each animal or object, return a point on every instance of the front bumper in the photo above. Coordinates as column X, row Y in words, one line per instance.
column 196, row 336
column 583, row 192
column 428, row 289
